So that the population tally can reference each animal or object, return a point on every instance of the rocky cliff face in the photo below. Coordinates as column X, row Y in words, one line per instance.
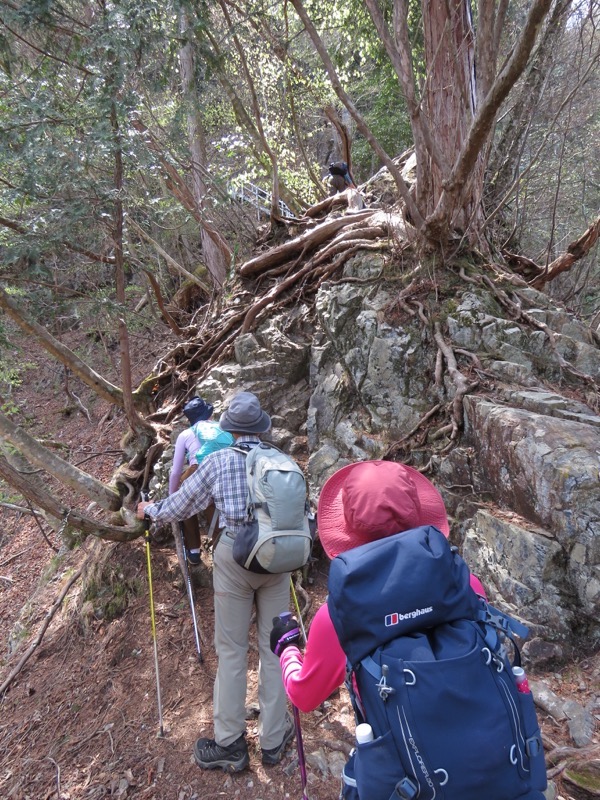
column 364, row 377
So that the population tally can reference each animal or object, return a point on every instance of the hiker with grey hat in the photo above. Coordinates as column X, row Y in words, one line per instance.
column 221, row 478
column 203, row 437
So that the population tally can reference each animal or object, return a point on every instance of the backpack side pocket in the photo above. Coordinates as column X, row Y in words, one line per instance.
column 533, row 742
column 377, row 768
column 349, row 790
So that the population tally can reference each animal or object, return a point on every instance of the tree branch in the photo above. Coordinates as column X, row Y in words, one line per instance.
column 49, row 503
column 401, row 184
column 539, row 276
column 66, row 473
column 67, row 357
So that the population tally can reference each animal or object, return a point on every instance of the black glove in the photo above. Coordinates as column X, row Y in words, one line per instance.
column 284, row 633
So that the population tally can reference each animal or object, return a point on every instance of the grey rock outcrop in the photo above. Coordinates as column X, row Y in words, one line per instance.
column 522, row 484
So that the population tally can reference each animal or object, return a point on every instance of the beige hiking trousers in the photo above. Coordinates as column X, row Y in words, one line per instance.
column 235, row 591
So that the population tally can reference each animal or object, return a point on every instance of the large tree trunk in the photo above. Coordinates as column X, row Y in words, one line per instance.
column 134, row 419
column 452, row 119
column 449, row 104
column 217, row 255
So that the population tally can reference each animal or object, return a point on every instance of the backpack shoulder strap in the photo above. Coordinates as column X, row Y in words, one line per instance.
column 243, row 448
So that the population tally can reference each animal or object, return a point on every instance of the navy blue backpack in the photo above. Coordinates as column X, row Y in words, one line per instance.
column 429, row 671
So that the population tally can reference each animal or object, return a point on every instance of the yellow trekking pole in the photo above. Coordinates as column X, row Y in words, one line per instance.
column 297, row 607
column 153, row 621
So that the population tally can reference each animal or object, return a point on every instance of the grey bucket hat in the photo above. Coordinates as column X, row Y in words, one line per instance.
column 245, row 415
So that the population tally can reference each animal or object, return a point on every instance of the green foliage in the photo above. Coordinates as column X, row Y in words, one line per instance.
column 384, row 109
column 71, row 86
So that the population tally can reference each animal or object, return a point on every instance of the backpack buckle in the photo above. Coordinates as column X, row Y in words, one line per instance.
column 533, row 746
column 405, row 789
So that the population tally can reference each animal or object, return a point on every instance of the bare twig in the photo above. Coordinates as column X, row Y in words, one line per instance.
column 40, row 526
column 72, row 396
column 16, row 555
column 58, row 789
column 20, row 509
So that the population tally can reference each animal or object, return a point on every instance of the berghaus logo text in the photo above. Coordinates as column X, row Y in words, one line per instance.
column 396, row 617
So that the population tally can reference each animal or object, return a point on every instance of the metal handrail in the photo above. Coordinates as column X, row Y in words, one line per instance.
column 258, row 198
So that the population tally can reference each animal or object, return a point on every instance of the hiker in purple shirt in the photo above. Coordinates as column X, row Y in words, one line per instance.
column 204, row 436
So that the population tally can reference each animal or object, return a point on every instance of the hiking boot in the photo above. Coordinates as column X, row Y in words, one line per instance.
column 274, row 756
column 192, row 558
column 233, row 758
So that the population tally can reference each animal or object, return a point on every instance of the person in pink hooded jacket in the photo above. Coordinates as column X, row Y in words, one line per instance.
column 360, row 503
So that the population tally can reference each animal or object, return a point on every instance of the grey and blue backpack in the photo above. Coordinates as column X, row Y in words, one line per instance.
column 276, row 535
column 429, row 670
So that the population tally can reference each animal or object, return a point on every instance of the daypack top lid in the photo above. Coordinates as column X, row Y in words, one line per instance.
column 392, row 587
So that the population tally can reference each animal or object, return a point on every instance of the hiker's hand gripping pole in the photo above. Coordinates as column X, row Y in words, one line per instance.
column 147, row 523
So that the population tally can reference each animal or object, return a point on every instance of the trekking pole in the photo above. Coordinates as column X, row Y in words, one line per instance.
column 299, row 744
column 188, row 582
column 297, row 607
column 153, row 623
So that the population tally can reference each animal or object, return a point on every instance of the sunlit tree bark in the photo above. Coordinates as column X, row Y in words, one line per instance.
column 216, row 252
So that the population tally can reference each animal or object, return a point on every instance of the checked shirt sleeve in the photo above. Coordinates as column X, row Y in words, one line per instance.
column 193, row 496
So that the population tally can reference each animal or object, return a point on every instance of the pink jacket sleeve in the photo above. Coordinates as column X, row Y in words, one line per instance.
column 309, row 680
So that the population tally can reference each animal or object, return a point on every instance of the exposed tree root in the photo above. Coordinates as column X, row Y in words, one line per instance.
column 295, row 270
column 460, row 382
column 519, row 314
column 393, row 448
column 313, row 238
column 300, row 590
